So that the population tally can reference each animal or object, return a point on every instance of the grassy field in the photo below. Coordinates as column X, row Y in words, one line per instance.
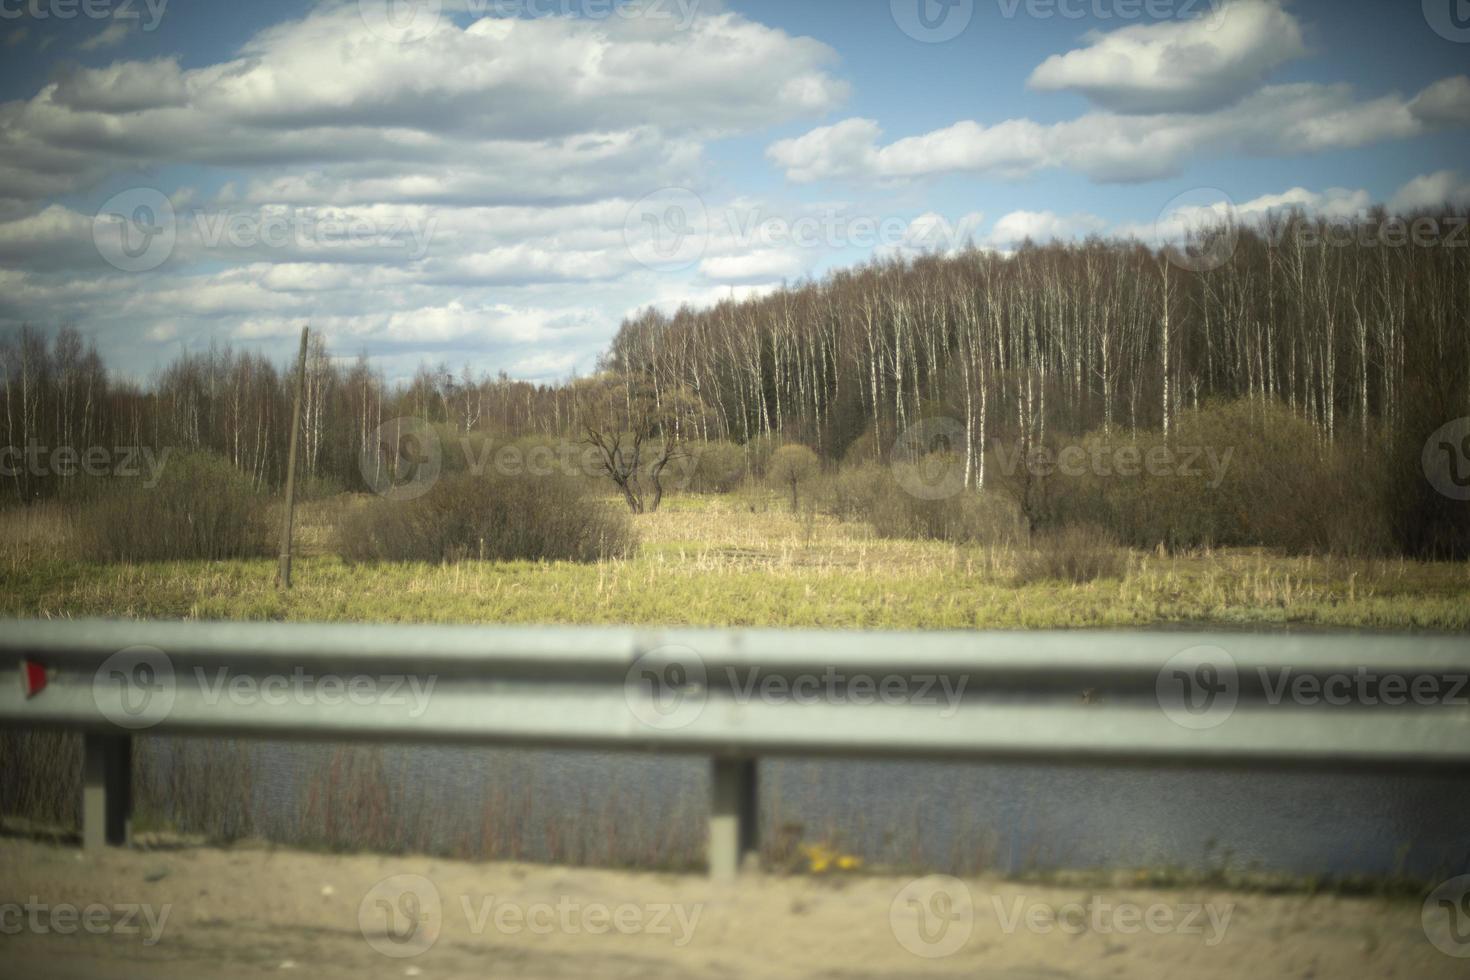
column 735, row 561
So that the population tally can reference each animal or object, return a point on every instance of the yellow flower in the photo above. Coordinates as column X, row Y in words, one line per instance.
column 821, row 858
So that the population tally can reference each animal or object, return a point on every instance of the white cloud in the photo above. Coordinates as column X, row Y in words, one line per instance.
column 933, row 232
column 544, row 367
column 847, row 149
column 538, row 108
column 1335, row 202
column 121, row 87
column 1445, row 103
column 1339, row 204
column 54, row 237
column 762, row 265
column 1432, row 191
column 1179, row 66
column 1042, row 226
column 1281, row 120
column 110, row 36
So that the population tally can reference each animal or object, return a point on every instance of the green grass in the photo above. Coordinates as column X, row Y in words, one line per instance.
column 743, row 561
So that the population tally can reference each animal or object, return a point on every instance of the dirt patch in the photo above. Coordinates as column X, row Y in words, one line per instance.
column 248, row 911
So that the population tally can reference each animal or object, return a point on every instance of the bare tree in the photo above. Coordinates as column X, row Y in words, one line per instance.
column 637, row 432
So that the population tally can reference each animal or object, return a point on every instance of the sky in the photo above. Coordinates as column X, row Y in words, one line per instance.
column 499, row 183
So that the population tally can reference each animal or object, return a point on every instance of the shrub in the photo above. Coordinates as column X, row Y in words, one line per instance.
column 868, row 447
column 852, row 493
column 792, row 468
column 719, row 467
column 202, row 508
column 872, row 493
column 1274, row 484
column 758, row 453
column 1423, row 521
column 317, row 488
column 965, row 518
column 489, row 517
column 1079, row 553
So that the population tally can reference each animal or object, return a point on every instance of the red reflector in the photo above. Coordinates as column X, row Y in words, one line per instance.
column 32, row 678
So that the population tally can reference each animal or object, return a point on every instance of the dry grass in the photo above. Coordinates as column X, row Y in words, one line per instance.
column 745, row 560
column 1080, row 553
column 756, row 530
column 42, row 531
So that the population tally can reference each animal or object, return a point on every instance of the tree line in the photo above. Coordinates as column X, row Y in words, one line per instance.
column 237, row 404
column 1353, row 334
column 1364, row 335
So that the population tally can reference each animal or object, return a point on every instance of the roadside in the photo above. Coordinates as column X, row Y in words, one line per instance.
column 253, row 910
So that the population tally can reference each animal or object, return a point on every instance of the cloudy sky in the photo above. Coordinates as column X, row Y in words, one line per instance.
column 499, row 182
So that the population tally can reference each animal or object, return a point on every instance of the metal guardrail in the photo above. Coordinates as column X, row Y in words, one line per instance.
column 1327, row 701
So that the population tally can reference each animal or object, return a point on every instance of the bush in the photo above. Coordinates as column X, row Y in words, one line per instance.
column 317, row 488
column 1262, row 477
column 758, row 453
column 1423, row 521
column 489, row 517
column 965, row 518
column 872, row 493
column 792, row 469
column 1080, row 553
column 719, row 467
column 853, row 492
column 202, row 508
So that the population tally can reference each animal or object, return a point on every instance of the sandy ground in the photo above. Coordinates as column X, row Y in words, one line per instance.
column 253, row 911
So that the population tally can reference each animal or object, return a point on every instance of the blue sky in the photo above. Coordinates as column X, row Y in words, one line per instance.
column 498, row 182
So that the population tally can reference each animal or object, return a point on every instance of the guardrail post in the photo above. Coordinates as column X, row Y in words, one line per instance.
column 734, row 816
column 107, row 790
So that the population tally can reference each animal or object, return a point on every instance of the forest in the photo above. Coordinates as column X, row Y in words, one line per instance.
column 1359, row 341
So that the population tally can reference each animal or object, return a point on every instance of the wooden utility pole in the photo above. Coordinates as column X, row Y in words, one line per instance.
column 283, row 577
